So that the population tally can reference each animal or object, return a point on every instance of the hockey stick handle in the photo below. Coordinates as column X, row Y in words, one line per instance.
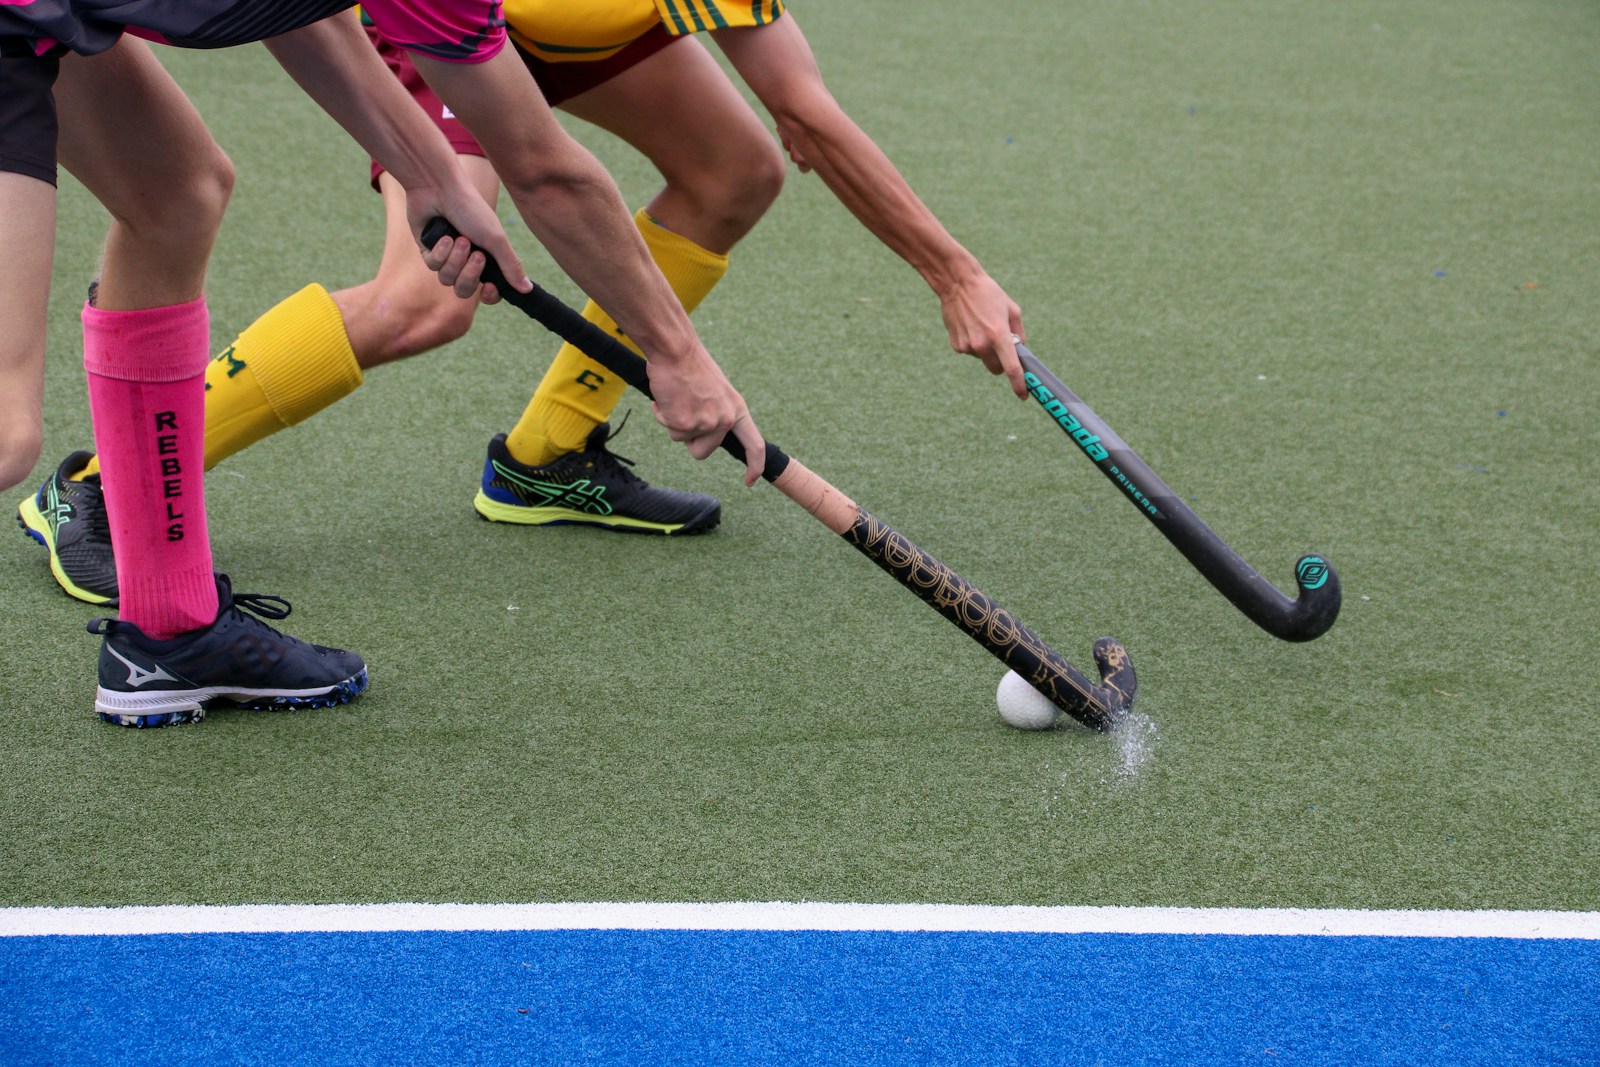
column 1022, row 650
column 1301, row 618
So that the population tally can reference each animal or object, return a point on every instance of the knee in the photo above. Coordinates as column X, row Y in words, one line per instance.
column 731, row 192
column 208, row 190
column 751, row 181
column 20, row 443
column 763, row 176
column 190, row 210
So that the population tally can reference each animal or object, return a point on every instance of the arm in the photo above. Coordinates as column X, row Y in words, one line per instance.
column 574, row 208
column 776, row 63
column 336, row 65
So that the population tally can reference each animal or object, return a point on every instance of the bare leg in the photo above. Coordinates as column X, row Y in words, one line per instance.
column 404, row 311
column 723, row 168
column 29, row 207
column 132, row 137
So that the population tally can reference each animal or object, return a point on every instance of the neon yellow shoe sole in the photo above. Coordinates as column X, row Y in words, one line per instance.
column 527, row 515
column 590, row 487
column 68, row 519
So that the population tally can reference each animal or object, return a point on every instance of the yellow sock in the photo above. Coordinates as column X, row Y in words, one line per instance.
column 577, row 394
column 285, row 367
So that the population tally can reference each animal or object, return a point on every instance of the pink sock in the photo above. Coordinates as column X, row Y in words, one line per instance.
column 147, row 397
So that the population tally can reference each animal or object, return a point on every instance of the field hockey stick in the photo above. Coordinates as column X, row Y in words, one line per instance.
column 1096, row 706
column 1301, row 619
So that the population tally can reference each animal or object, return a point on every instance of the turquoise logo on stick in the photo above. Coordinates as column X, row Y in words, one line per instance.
column 1053, row 407
column 1311, row 572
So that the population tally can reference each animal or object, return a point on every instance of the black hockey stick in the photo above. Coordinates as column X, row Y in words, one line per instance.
column 1300, row 619
column 1097, row 706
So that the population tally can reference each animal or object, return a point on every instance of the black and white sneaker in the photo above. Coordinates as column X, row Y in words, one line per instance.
column 69, row 519
column 238, row 658
column 593, row 487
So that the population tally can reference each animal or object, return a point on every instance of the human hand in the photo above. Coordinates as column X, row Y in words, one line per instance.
column 699, row 407
column 458, row 263
column 984, row 322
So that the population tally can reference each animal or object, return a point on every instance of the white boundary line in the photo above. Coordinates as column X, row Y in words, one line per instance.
column 310, row 918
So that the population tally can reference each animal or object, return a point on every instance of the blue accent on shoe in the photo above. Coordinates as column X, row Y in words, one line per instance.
column 146, row 681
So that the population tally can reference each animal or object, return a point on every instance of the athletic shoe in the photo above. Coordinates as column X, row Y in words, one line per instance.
column 593, row 487
column 69, row 519
column 149, row 682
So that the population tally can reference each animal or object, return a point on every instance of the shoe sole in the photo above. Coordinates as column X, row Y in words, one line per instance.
column 32, row 522
column 523, row 515
column 146, row 710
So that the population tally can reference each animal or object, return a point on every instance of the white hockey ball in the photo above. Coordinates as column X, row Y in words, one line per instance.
column 1022, row 706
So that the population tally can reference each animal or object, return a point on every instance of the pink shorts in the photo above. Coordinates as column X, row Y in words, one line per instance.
column 557, row 81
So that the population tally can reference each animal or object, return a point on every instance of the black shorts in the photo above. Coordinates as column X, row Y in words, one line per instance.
column 28, row 110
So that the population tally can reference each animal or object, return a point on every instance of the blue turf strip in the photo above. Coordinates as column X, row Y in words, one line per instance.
column 764, row 997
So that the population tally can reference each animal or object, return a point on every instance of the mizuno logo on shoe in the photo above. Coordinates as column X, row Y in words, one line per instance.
column 138, row 675
column 579, row 495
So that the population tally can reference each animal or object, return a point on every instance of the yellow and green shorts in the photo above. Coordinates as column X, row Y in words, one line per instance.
column 571, row 46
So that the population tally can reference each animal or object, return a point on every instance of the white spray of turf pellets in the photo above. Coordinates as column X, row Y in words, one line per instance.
column 1134, row 734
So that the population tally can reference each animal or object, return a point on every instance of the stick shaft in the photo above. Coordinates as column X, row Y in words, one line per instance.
column 1292, row 619
column 986, row 622
column 934, row 583
column 952, row 596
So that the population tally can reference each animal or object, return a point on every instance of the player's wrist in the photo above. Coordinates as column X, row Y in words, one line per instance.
column 669, row 343
column 953, row 273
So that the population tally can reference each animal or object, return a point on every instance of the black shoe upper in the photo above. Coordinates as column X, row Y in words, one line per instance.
column 598, row 482
column 79, row 526
column 237, row 649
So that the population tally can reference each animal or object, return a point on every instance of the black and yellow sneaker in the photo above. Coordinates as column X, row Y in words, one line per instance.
column 593, row 487
column 69, row 519
column 145, row 681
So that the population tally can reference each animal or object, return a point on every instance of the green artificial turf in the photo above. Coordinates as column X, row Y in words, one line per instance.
column 1330, row 269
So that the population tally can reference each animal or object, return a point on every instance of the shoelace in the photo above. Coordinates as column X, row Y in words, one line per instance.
column 605, row 452
column 267, row 607
column 263, row 604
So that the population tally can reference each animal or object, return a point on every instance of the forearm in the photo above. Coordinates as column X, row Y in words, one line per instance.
column 337, row 66
column 566, row 198
column 776, row 62
column 864, row 180
column 579, row 216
